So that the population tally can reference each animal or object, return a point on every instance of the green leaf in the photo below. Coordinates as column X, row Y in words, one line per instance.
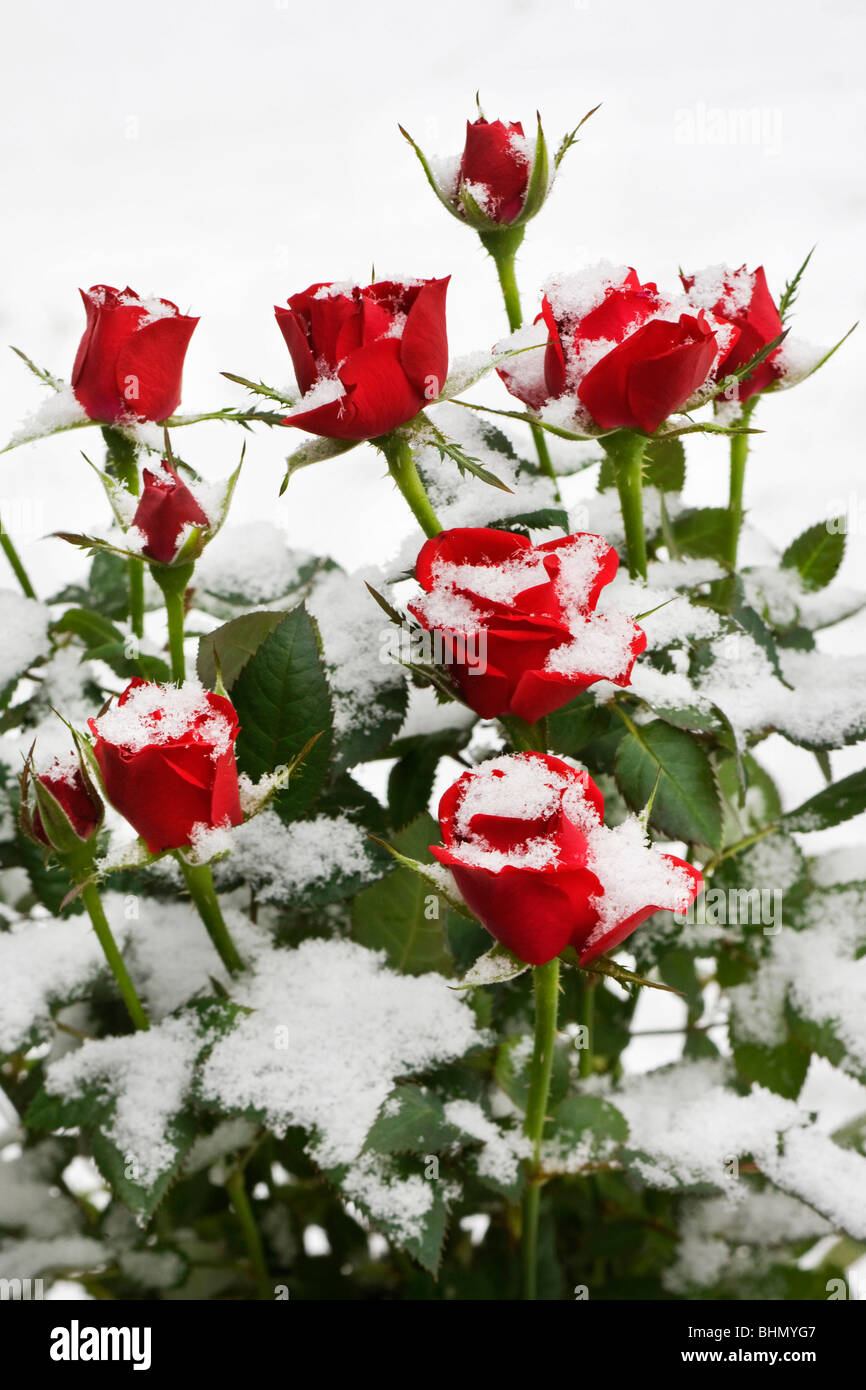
column 702, row 533
column 570, row 728
column 411, row 1120
column 392, row 915
column 513, row 1068
column 283, row 700
column 687, row 805
column 580, row 1116
column 384, row 716
column 816, row 554
column 780, row 1068
column 836, row 803
column 493, row 968
column 232, row 645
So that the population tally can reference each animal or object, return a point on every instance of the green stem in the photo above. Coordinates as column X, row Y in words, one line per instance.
column 15, row 561
column 401, row 466
column 523, row 737
column 546, row 983
column 122, row 462
column 243, row 1210
column 739, row 456
column 91, row 900
column 199, row 881
column 626, row 449
column 588, row 1020
column 173, row 580
column 503, row 249
column 135, row 575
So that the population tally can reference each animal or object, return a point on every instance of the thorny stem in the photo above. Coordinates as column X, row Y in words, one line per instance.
column 122, row 459
column 237, row 1192
column 199, row 881
column 15, row 561
column 626, row 449
column 173, row 580
column 739, row 456
column 401, row 466
column 546, row 985
column 91, row 900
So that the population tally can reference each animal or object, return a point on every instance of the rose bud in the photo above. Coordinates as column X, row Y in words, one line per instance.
column 741, row 298
column 619, row 355
column 517, row 622
column 167, row 758
column 166, row 509
column 525, row 840
column 366, row 359
column 130, row 361
column 68, row 810
column 495, row 167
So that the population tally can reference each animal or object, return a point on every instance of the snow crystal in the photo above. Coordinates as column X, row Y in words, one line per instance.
column 332, row 1029
column 351, row 624
column 834, row 932
column 57, row 412
column 501, row 1150
column 29, row 1197
column 250, row 562
column 717, row 1239
column 633, row 875
column 796, row 359
column 24, row 634
column 154, row 1269
column 149, row 1073
column 825, row 706
column 401, row 1202
column 281, row 861
column 27, row 1259
column 42, row 964
column 719, row 285
column 326, row 391
column 601, row 644
column 158, row 714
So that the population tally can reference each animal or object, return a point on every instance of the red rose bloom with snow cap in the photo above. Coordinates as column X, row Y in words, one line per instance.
column 525, row 840
column 166, row 508
column 741, row 298
column 167, row 758
column 366, row 359
column 619, row 355
column 525, row 618
column 129, row 363
column 495, row 165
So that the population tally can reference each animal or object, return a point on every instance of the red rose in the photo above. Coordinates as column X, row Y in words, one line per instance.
column 75, row 798
column 130, row 361
column 167, row 759
column 526, row 843
column 366, row 360
column 166, row 506
column 496, row 165
column 518, row 621
column 741, row 298
column 619, row 353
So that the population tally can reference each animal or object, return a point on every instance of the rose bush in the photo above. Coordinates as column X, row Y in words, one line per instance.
column 270, row 1008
